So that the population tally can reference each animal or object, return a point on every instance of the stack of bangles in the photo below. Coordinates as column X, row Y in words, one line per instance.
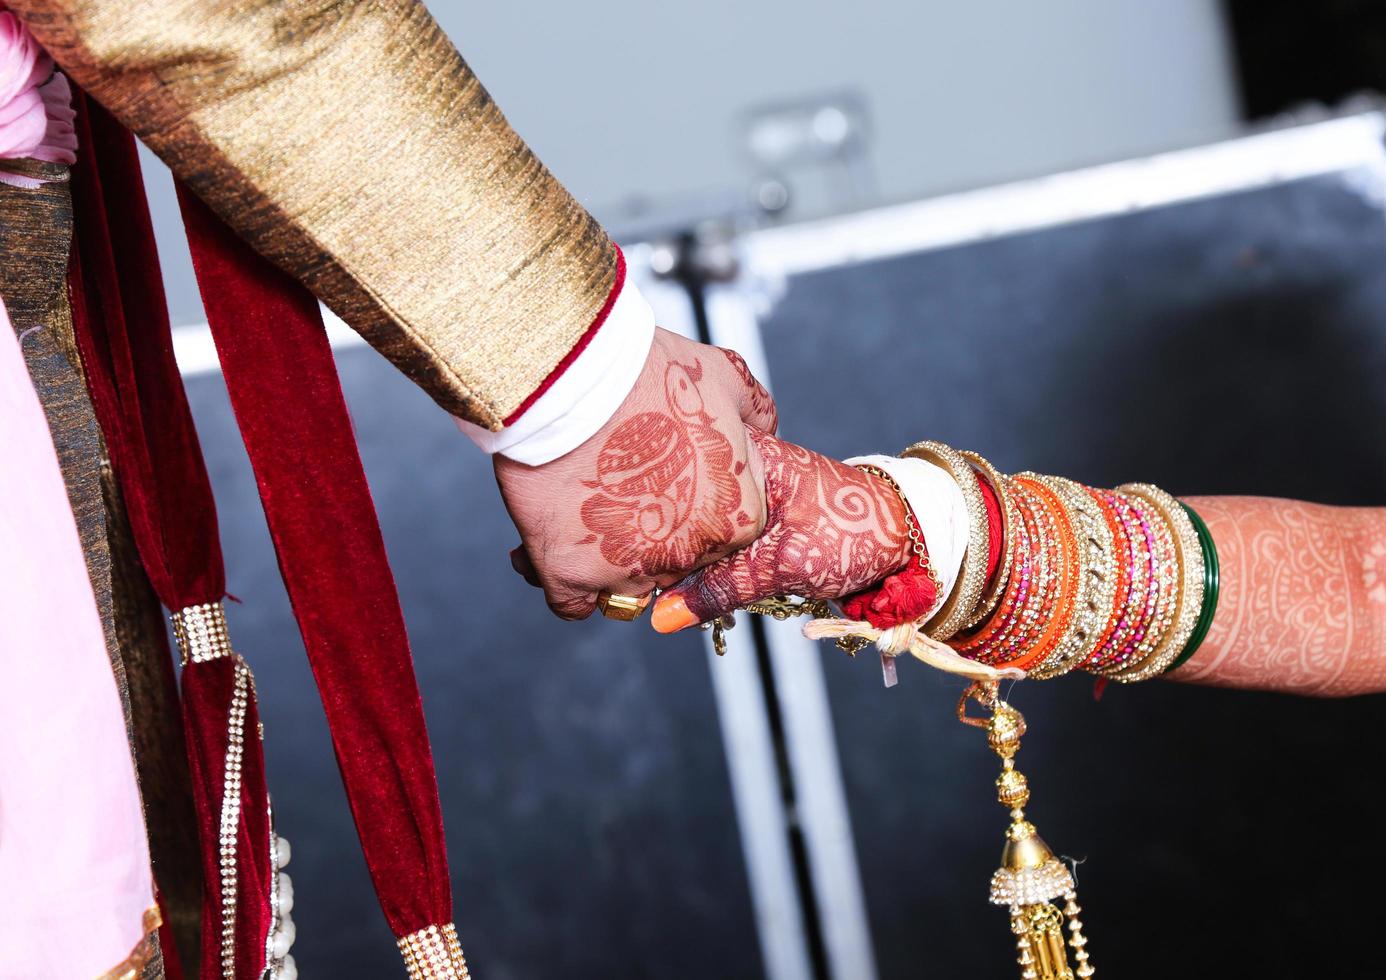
column 1122, row 583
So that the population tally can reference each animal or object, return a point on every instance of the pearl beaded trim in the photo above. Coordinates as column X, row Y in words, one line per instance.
column 434, row 953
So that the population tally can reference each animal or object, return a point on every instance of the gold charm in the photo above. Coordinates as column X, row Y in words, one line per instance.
column 781, row 608
column 719, row 627
column 1030, row 878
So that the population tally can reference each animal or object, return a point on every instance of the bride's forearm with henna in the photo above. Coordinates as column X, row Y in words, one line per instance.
column 1303, row 597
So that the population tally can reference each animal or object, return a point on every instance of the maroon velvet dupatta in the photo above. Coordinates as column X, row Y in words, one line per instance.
column 289, row 405
column 121, row 325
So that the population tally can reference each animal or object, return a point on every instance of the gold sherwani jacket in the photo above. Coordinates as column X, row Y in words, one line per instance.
column 348, row 141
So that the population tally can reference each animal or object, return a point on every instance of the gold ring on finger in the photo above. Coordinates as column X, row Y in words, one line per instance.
column 625, row 608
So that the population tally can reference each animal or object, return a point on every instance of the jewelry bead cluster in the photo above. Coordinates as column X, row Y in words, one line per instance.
column 279, row 962
column 1108, row 581
column 1031, row 879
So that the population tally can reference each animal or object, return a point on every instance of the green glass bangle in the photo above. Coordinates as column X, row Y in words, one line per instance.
column 1210, row 589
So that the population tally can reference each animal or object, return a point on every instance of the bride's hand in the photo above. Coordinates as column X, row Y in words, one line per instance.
column 831, row 530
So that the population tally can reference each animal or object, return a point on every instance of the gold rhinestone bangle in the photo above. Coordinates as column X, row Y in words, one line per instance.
column 201, row 633
column 991, row 597
column 1189, row 583
column 1097, row 578
column 434, row 953
column 958, row 607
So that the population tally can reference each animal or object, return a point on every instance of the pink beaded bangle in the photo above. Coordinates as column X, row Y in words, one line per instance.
column 1028, row 571
column 1148, row 613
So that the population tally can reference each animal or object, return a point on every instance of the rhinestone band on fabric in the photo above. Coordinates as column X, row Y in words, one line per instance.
column 201, row 633
column 434, row 954
column 231, row 817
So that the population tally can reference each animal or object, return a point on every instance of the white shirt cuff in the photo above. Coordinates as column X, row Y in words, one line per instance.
column 939, row 509
column 585, row 396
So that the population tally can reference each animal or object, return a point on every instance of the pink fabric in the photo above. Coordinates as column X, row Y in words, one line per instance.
column 35, row 104
column 74, row 863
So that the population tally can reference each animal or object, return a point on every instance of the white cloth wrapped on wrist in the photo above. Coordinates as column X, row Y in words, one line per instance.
column 939, row 510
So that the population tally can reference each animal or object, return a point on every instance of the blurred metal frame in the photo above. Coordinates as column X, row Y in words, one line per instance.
column 1238, row 164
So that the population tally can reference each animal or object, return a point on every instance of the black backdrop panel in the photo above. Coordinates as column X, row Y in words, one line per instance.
column 589, row 813
column 1232, row 345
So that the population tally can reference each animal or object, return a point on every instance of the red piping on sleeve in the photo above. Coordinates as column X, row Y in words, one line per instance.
column 582, row 343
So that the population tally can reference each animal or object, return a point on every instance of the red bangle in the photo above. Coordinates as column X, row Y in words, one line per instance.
column 910, row 593
column 995, row 531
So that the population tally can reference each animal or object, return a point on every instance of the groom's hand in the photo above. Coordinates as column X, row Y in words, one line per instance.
column 831, row 530
column 669, row 484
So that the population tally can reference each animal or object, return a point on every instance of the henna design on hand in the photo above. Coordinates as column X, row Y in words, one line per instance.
column 1302, row 603
column 832, row 530
column 667, row 485
column 761, row 404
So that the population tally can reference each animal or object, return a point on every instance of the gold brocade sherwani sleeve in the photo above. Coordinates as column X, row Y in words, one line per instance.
column 348, row 141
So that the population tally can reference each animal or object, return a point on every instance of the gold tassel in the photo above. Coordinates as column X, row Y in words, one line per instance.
column 1031, row 879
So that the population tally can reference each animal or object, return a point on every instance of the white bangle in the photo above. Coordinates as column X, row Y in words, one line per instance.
column 939, row 510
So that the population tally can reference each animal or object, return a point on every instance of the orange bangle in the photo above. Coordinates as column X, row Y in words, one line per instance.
column 1068, row 568
column 1034, row 592
column 1041, row 599
column 1096, row 581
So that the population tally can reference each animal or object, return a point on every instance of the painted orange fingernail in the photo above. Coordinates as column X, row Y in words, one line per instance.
column 671, row 614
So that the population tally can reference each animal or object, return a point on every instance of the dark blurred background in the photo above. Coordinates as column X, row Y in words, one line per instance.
column 622, row 805
column 1290, row 54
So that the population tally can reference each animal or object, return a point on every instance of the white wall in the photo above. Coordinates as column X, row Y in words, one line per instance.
column 639, row 99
